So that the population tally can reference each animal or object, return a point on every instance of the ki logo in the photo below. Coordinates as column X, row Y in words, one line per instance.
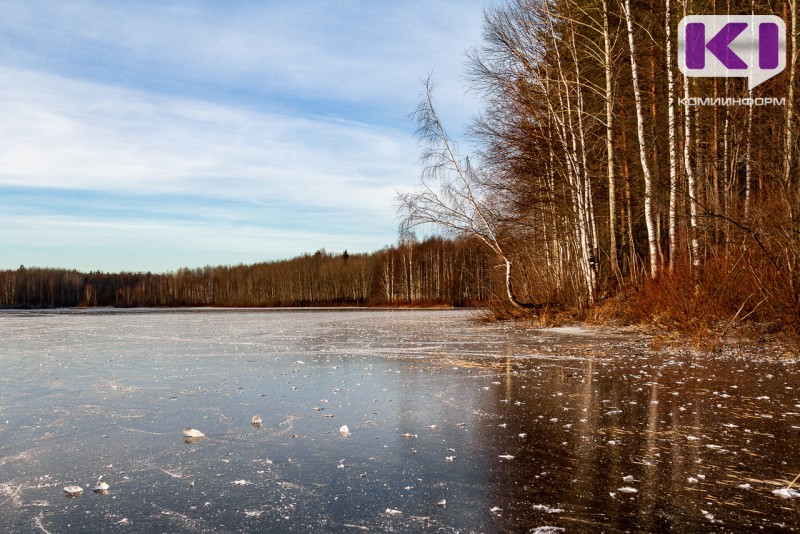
column 741, row 46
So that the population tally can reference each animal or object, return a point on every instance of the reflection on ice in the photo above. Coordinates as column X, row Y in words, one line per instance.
column 451, row 426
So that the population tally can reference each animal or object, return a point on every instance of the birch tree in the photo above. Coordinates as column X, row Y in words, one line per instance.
column 450, row 196
column 673, row 151
column 648, row 179
column 688, row 165
column 790, row 104
column 609, row 101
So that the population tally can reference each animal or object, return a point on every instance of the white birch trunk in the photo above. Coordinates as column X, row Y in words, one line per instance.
column 790, row 112
column 589, row 247
column 726, row 171
column 748, row 164
column 575, row 173
column 648, row 179
column 612, row 188
column 687, row 164
column 673, row 152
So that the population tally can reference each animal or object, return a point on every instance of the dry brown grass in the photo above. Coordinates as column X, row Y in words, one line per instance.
column 728, row 296
column 742, row 294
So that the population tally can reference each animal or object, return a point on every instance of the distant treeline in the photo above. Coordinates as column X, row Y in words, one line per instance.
column 432, row 272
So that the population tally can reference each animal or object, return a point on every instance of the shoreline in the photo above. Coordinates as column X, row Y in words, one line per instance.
column 753, row 341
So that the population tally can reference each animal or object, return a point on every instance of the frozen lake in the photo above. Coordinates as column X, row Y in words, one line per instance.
column 515, row 428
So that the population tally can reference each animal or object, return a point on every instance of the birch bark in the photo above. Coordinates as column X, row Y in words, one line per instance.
column 648, row 178
column 790, row 112
column 612, row 188
column 673, row 156
column 688, row 166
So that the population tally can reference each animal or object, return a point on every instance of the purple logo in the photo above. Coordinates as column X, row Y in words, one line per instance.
column 745, row 46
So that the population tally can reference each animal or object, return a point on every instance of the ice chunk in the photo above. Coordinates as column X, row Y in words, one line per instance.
column 101, row 485
column 73, row 491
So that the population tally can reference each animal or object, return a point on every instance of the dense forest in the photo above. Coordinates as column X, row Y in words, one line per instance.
column 609, row 183
column 432, row 272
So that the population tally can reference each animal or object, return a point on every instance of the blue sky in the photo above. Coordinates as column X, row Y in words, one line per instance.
column 153, row 135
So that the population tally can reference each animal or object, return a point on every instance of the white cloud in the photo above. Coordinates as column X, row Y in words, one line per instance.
column 65, row 135
column 59, row 133
column 364, row 53
column 260, row 122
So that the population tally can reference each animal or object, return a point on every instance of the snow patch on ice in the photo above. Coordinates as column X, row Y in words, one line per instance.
column 786, row 493
column 548, row 509
column 569, row 330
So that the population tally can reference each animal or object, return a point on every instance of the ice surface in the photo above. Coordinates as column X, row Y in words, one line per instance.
column 84, row 393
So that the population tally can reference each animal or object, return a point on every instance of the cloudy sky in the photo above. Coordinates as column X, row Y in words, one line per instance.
column 152, row 135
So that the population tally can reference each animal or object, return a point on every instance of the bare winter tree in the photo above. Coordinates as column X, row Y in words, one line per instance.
column 451, row 196
column 652, row 238
column 790, row 111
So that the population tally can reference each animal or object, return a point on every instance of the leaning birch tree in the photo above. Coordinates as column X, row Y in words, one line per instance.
column 450, row 194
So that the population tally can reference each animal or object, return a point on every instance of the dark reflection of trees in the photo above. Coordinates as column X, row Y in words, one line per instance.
column 662, row 403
